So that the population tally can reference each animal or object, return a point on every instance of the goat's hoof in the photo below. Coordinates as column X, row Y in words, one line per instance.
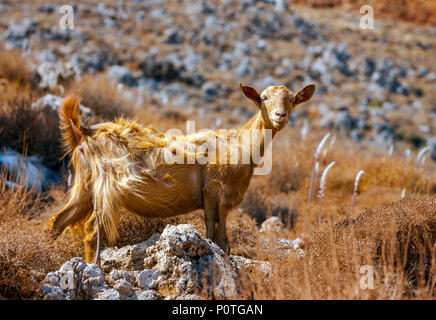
column 225, row 248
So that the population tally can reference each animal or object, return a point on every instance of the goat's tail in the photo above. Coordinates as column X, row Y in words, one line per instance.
column 70, row 124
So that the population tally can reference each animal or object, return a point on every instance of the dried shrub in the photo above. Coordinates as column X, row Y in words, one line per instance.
column 15, row 68
column 27, row 252
column 398, row 240
column 243, row 234
column 101, row 95
column 396, row 173
column 27, row 130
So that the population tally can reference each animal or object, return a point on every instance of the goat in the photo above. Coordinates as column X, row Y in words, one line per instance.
column 121, row 164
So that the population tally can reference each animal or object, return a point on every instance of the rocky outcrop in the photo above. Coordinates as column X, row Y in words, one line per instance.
column 178, row 264
column 74, row 280
column 128, row 258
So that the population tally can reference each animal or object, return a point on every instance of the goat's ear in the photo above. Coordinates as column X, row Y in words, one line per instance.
column 251, row 94
column 304, row 94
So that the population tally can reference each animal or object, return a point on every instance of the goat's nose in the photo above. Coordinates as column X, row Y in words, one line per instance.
column 280, row 114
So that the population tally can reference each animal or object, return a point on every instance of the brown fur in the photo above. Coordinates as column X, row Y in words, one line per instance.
column 121, row 165
column 69, row 123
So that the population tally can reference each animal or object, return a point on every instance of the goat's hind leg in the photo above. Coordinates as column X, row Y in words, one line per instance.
column 75, row 209
column 91, row 239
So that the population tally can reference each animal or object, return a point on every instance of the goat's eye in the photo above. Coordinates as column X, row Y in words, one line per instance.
column 264, row 98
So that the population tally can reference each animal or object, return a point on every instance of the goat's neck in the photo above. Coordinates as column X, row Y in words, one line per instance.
column 257, row 123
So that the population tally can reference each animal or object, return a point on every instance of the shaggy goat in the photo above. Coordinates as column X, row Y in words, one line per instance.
column 122, row 165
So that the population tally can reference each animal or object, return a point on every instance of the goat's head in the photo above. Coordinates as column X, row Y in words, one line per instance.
column 277, row 102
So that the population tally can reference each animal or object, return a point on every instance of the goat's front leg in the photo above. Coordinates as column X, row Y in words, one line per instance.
column 210, row 217
column 221, row 232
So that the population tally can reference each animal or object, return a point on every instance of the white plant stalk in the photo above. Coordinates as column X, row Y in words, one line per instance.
column 322, row 189
column 315, row 168
column 356, row 187
column 391, row 150
column 321, row 146
column 422, row 162
column 332, row 142
column 312, row 181
column 403, row 193
column 421, row 154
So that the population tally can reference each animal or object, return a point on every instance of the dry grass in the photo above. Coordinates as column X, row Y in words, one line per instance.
column 396, row 240
column 102, row 96
column 27, row 252
column 15, row 68
column 25, row 129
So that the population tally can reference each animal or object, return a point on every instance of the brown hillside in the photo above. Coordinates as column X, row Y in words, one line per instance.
column 418, row 11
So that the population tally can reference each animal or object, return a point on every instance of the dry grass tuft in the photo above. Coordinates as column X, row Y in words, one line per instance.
column 243, row 234
column 27, row 130
column 15, row 68
column 101, row 95
column 27, row 252
column 397, row 240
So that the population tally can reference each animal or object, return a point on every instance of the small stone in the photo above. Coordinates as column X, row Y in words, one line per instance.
column 116, row 275
column 148, row 279
column 148, row 295
column 109, row 294
column 124, row 288
column 93, row 280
